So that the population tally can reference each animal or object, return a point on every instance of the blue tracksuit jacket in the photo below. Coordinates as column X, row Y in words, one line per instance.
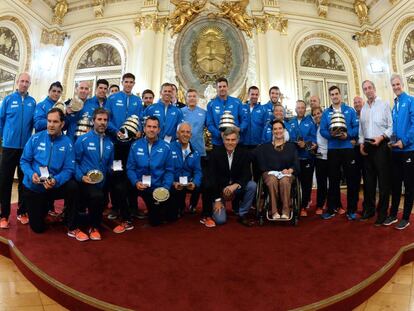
column 403, row 121
column 190, row 166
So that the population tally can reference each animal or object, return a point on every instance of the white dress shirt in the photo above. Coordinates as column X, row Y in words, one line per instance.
column 375, row 120
column 230, row 158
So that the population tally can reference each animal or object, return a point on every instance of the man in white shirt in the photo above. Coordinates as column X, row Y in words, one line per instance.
column 375, row 128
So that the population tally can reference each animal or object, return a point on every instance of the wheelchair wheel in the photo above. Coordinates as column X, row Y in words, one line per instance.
column 296, row 197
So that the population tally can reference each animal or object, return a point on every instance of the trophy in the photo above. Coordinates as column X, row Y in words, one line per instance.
column 226, row 120
column 338, row 124
column 84, row 126
column 76, row 104
column 161, row 194
column 207, row 139
column 95, row 176
column 60, row 105
column 130, row 128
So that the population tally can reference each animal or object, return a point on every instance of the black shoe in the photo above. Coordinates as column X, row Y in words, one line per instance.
column 379, row 222
column 366, row 216
column 245, row 222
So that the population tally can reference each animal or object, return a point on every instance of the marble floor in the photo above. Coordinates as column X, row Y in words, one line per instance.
column 17, row 293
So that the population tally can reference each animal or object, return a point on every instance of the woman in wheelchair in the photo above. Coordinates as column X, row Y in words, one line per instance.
column 279, row 164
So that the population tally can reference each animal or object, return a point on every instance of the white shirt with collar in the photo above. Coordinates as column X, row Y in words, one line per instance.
column 230, row 158
column 375, row 120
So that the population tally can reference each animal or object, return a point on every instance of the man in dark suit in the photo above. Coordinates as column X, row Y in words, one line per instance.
column 230, row 176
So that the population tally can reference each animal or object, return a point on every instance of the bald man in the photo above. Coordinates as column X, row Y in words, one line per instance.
column 16, row 126
column 358, row 103
column 315, row 102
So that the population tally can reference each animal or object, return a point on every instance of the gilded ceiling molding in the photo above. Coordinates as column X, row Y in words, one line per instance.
column 79, row 45
column 54, row 37
column 322, row 6
column 59, row 10
column 271, row 22
column 98, row 7
column 326, row 36
column 361, row 10
column 395, row 39
column 28, row 45
column 369, row 37
column 151, row 22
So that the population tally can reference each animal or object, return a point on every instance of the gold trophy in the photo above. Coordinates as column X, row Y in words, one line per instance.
column 95, row 176
column 60, row 105
column 76, row 104
column 161, row 194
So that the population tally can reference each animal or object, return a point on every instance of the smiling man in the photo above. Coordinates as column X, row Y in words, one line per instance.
column 40, row 119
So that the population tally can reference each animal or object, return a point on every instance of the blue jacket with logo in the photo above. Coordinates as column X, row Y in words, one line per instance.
column 305, row 130
column 190, row 166
column 88, row 155
column 268, row 132
column 16, row 120
column 256, row 121
column 269, row 108
column 120, row 107
column 197, row 119
column 215, row 110
column 168, row 121
column 72, row 119
column 157, row 163
column 403, row 121
column 40, row 114
column 351, row 123
column 57, row 155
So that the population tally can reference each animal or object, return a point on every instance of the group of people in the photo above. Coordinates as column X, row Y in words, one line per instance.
column 166, row 158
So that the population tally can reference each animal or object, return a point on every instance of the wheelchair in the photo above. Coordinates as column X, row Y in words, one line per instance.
column 263, row 208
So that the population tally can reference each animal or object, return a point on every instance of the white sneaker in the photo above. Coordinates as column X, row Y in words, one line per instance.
column 276, row 216
column 284, row 216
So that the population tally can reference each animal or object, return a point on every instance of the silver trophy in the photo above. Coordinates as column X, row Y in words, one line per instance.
column 338, row 124
column 76, row 104
column 130, row 128
column 226, row 120
column 84, row 126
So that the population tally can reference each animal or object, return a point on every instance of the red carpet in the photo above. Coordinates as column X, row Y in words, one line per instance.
column 185, row 266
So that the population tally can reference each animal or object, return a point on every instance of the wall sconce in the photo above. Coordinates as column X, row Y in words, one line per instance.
column 376, row 67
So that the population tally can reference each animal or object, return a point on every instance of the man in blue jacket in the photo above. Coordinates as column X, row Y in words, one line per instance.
column 402, row 143
column 303, row 133
column 48, row 164
column 278, row 114
column 94, row 152
column 16, row 126
column 150, row 166
column 187, row 167
column 89, row 107
column 340, row 154
column 167, row 113
column 42, row 108
column 256, row 116
column 274, row 100
column 217, row 106
column 122, row 105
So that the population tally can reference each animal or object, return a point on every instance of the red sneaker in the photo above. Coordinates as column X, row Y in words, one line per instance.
column 4, row 223
column 23, row 218
column 94, row 234
column 78, row 235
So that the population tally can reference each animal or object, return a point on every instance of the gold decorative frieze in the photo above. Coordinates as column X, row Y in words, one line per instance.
column 322, row 6
column 54, row 37
column 235, row 12
column 271, row 22
column 271, row 3
column 151, row 22
column 361, row 10
column 148, row 3
column 369, row 37
column 59, row 11
column 98, row 8
column 185, row 12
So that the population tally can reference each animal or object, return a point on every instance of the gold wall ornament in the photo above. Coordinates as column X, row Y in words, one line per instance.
column 394, row 1
column 369, row 37
column 211, row 55
column 361, row 10
column 60, row 10
column 322, row 6
column 185, row 12
column 236, row 13
column 98, row 8
column 27, row 41
column 271, row 3
column 150, row 3
column 151, row 22
column 396, row 37
column 54, row 37
column 408, row 49
column 271, row 22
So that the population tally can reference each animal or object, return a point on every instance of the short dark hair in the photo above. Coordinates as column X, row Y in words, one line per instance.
column 174, row 86
column 334, row 87
column 253, row 87
column 56, row 84
column 148, row 91
column 274, row 88
column 102, row 81
column 315, row 109
column 128, row 75
column 273, row 122
column 166, row 84
column 192, row 91
column 154, row 118
column 60, row 112
column 301, row 101
column 222, row 79
column 100, row 110
column 114, row 85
